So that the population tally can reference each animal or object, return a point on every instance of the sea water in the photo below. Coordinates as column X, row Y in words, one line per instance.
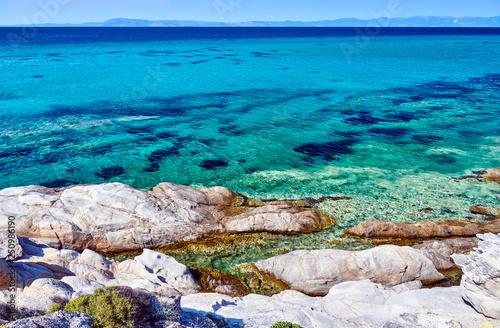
column 388, row 121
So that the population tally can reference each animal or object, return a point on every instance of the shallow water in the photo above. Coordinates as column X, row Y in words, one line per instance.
column 279, row 116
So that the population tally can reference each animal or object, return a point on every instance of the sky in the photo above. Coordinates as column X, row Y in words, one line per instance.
column 14, row 12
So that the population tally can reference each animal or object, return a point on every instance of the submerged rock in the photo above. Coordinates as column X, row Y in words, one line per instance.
column 493, row 213
column 315, row 272
column 115, row 217
column 492, row 175
column 480, row 284
column 445, row 228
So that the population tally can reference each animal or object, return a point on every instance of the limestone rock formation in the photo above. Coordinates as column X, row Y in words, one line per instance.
column 115, row 217
column 315, row 272
column 480, row 284
column 353, row 304
column 44, row 273
column 61, row 319
column 445, row 228
column 440, row 251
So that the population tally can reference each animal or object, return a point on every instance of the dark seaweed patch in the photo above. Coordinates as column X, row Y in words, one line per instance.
column 261, row 54
column 54, row 54
column 405, row 116
column 415, row 98
column 158, row 155
column 172, row 64
column 8, row 96
column 231, row 130
column 211, row 164
column 219, row 57
column 439, row 107
column 149, row 139
column 101, row 150
column 443, row 159
column 166, row 135
column 390, row 132
column 426, row 139
column 152, row 53
column 108, row 173
column 208, row 142
column 199, row 62
column 37, row 76
column 139, row 129
column 50, row 158
column 16, row 152
column 328, row 150
column 59, row 183
column 362, row 119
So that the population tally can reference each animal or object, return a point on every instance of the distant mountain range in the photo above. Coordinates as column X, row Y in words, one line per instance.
column 417, row 21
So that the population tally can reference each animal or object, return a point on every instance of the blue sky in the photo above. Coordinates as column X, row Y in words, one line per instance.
column 78, row 11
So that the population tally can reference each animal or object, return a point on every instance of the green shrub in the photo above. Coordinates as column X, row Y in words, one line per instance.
column 114, row 307
column 283, row 324
column 55, row 307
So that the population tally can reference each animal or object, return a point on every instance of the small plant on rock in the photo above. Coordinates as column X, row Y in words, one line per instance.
column 284, row 324
column 114, row 307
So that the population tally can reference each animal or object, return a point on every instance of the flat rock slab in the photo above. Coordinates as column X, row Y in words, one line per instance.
column 315, row 272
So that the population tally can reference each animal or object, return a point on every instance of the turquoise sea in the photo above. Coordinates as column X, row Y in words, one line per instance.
column 389, row 120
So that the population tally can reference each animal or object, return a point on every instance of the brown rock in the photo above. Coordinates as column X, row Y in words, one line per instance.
column 214, row 281
column 444, row 229
column 492, row 175
column 492, row 212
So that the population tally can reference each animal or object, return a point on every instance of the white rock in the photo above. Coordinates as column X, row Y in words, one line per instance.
column 349, row 304
column 115, row 217
column 480, row 283
column 315, row 272
column 61, row 319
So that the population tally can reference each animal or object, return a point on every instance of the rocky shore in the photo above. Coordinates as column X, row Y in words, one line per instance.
column 53, row 251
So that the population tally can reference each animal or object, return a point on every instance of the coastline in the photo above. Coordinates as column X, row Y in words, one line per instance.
column 231, row 221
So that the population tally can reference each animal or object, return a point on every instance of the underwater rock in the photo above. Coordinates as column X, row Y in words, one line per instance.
column 492, row 175
column 493, row 213
column 315, row 272
column 480, row 285
column 214, row 281
column 443, row 229
column 115, row 217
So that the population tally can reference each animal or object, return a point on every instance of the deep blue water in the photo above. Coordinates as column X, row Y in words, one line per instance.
column 388, row 119
column 79, row 35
